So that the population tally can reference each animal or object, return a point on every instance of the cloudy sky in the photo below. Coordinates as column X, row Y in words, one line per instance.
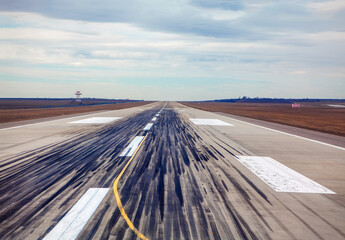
column 172, row 49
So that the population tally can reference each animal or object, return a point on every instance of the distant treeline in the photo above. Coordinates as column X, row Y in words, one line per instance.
column 73, row 99
column 273, row 100
column 26, row 103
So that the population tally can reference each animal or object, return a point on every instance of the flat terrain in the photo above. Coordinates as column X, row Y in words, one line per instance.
column 185, row 181
column 11, row 111
column 28, row 103
column 315, row 116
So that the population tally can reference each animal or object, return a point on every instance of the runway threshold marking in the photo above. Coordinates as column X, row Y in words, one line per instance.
column 289, row 134
column 117, row 196
column 213, row 122
column 74, row 221
column 48, row 121
column 280, row 177
column 97, row 120
column 336, row 105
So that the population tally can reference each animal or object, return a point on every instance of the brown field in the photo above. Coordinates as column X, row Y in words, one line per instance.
column 27, row 113
column 314, row 116
column 28, row 103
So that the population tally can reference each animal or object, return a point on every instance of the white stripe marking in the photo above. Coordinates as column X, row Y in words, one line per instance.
column 336, row 105
column 148, row 126
column 154, row 119
column 132, row 147
column 97, row 120
column 162, row 107
column 49, row 121
column 27, row 125
column 74, row 221
column 281, row 178
column 292, row 135
column 204, row 121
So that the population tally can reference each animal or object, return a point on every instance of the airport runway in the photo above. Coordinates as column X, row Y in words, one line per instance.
column 186, row 174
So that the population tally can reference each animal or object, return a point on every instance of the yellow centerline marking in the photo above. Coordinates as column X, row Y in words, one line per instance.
column 118, row 200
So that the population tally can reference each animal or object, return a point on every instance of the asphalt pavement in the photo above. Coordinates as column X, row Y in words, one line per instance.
column 180, row 173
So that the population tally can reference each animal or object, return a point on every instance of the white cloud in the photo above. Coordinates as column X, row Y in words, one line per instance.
column 219, row 14
column 298, row 72
column 33, row 54
column 327, row 6
column 326, row 36
column 104, row 55
column 38, row 34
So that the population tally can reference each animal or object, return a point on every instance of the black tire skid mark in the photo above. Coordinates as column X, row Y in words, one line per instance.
column 38, row 173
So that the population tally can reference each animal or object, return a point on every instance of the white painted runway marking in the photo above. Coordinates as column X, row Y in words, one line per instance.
column 27, row 125
column 336, row 105
column 74, row 221
column 49, row 121
column 132, row 146
column 162, row 108
column 154, row 119
column 289, row 134
column 280, row 177
column 100, row 120
column 148, row 126
column 205, row 121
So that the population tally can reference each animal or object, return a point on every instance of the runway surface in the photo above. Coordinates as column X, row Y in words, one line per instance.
column 180, row 180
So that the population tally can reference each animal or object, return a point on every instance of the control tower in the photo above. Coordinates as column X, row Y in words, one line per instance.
column 77, row 94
